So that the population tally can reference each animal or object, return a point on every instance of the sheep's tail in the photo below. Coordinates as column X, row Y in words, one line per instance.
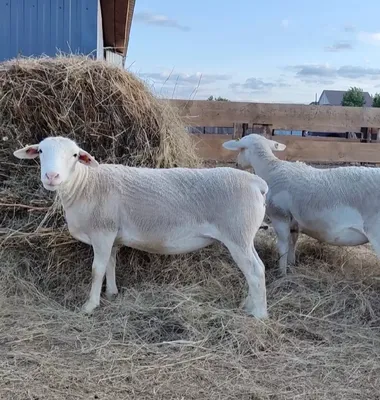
column 261, row 184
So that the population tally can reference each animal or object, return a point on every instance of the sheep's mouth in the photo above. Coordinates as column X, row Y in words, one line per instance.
column 52, row 187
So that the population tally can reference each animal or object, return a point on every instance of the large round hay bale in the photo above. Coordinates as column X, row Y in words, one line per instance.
column 108, row 111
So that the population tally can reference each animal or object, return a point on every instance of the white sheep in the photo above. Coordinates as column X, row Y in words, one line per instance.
column 165, row 211
column 339, row 206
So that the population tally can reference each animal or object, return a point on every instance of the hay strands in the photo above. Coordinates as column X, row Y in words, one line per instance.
column 30, row 208
column 57, row 237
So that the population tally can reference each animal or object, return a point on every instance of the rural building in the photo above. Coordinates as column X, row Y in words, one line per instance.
column 335, row 97
column 98, row 28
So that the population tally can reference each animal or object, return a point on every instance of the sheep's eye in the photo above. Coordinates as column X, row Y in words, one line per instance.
column 75, row 155
column 40, row 151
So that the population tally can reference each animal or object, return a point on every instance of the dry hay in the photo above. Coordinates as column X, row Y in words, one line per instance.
column 176, row 331
column 108, row 111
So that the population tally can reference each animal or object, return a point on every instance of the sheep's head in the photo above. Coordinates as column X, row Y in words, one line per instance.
column 248, row 147
column 58, row 157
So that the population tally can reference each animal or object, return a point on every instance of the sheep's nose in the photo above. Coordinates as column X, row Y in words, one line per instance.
column 52, row 175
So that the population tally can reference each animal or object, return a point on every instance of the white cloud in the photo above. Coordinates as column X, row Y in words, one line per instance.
column 258, row 85
column 285, row 23
column 339, row 46
column 150, row 18
column 184, row 79
column 327, row 75
column 369, row 37
column 349, row 28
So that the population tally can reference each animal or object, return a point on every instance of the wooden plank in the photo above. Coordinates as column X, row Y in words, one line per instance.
column 209, row 147
column 268, row 129
column 281, row 116
column 324, row 150
column 238, row 130
column 288, row 139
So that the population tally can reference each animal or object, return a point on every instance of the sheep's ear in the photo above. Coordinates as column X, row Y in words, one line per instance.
column 233, row 145
column 275, row 146
column 87, row 159
column 27, row 152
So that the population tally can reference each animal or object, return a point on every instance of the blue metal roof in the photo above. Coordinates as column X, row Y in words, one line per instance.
column 36, row 27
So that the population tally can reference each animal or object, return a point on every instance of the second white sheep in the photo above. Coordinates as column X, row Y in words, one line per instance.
column 339, row 206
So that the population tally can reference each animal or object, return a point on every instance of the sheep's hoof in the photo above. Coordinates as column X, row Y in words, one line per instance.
column 252, row 311
column 282, row 272
column 111, row 296
column 261, row 315
column 88, row 308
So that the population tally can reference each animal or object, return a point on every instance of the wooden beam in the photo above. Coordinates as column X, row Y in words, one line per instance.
column 308, row 150
column 238, row 130
column 267, row 131
column 128, row 25
column 324, row 150
column 209, row 147
column 280, row 116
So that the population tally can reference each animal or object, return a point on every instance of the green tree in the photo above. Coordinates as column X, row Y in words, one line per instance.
column 212, row 98
column 376, row 100
column 354, row 97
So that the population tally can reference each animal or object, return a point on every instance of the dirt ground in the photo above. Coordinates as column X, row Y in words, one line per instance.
column 176, row 331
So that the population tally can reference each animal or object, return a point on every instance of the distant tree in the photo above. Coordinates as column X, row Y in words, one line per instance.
column 212, row 98
column 313, row 103
column 354, row 97
column 376, row 100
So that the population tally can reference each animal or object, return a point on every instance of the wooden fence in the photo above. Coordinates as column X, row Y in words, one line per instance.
column 269, row 117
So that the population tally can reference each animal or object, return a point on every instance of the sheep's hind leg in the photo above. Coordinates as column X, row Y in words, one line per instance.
column 111, row 288
column 373, row 236
column 254, row 271
column 282, row 229
column 293, row 237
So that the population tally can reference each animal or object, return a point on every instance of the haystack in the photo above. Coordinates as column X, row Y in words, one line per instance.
column 108, row 111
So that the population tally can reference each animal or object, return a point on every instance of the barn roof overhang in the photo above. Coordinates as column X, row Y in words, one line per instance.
column 117, row 20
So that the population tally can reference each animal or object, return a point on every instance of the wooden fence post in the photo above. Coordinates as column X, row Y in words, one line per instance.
column 263, row 129
column 238, row 130
column 267, row 131
column 365, row 134
column 245, row 128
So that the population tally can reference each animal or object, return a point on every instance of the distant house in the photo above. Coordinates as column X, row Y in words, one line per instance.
column 335, row 97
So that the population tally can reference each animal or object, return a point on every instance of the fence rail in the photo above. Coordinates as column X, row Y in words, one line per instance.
column 279, row 116
column 272, row 117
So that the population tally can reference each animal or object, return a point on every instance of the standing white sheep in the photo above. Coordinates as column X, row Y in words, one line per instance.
column 165, row 211
column 339, row 206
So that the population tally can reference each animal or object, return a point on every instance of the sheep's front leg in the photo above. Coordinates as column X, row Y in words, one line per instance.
column 102, row 245
column 282, row 229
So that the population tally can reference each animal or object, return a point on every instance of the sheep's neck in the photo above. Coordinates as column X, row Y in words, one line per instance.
column 263, row 162
column 72, row 190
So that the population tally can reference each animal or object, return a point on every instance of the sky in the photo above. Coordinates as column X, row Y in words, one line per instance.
column 245, row 50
